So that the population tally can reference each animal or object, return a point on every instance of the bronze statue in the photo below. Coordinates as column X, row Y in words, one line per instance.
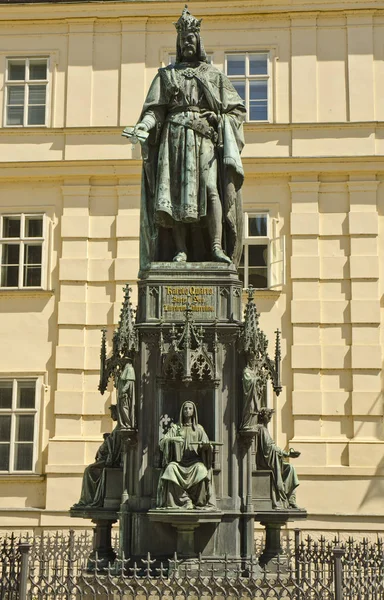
column 253, row 386
column 126, row 397
column 270, row 457
column 186, row 480
column 108, row 455
column 192, row 170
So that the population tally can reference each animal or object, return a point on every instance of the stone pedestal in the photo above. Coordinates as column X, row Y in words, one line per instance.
column 185, row 523
column 102, row 544
column 273, row 557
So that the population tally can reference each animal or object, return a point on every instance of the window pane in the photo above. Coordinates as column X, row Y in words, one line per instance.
column 33, row 227
column 258, row 64
column 258, row 256
column 37, row 69
column 25, row 394
column 16, row 70
column 23, row 457
column 15, row 115
column 24, row 428
column 236, row 64
column 257, row 226
column 11, row 253
column 32, row 254
column 258, row 277
column 4, row 457
column 6, row 394
column 32, row 276
column 36, row 94
column 9, row 276
column 36, row 115
column 240, row 88
column 240, row 268
column 258, row 90
column 5, row 428
column 258, row 111
column 16, row 94
column 11, row 227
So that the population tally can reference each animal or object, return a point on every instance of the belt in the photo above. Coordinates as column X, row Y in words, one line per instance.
column 200, row 126
column 178, row 109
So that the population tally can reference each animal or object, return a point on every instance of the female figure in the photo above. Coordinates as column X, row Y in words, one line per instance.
column 186, row 481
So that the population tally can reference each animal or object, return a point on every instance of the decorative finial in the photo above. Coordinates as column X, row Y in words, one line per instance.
column 187, row 22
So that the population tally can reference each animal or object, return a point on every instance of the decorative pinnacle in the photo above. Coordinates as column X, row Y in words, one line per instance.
column 251, row 292
column 187, row 22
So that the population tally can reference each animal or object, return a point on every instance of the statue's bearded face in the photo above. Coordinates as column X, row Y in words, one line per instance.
column 188, row 45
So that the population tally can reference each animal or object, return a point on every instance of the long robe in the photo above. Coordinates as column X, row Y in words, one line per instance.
column 186, row 480
column 270, row 457
column 251, row 399
column 180, row 164
column 93, row 486
column 126, row 398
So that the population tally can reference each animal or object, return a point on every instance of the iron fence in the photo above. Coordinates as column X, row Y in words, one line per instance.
column 56, row 567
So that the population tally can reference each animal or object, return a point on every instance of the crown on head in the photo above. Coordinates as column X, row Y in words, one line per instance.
column 187, row 22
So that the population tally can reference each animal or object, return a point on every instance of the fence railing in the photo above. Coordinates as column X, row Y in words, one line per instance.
column 57, row 567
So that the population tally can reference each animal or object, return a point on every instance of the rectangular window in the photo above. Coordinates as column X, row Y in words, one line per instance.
column 18, row 425
column 253, row 268
column 26, row 88
column 21, row 251
column 249, row 74
column 262, row 263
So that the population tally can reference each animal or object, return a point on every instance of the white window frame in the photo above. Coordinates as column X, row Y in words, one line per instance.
column 22, row 241
column 255, row 241
column 11, row 83
column 14, row 412
column 247, row 78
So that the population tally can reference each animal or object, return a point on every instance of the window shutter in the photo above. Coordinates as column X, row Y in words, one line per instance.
column 276, row 266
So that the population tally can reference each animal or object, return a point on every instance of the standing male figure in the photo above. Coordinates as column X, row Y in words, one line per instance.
column 192, row 172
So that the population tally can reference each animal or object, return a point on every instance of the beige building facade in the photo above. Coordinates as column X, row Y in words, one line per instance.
column 72, row 75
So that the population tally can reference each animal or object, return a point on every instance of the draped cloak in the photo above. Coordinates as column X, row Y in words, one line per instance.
column 93, row 486
column 178, row 161
column 187, row 469
column 270, row 457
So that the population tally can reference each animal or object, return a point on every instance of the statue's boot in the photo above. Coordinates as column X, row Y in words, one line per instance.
column 180, row 257
column 292, row 502
column 219, row 255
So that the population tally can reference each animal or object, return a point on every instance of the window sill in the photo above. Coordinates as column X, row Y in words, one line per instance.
column 22, row 477
column 29, row 293
column 263, row 293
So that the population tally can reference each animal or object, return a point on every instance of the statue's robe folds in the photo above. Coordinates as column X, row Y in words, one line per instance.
column 251, row 405
column 126, row 398
column 186, row 480
column 270, row 457
column 179, row 162
column 93, row 487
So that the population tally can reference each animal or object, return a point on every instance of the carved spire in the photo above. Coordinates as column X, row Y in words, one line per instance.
column 124, row 343
column 255, row 344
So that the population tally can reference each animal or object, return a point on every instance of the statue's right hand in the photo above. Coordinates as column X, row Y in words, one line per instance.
column 140, row 127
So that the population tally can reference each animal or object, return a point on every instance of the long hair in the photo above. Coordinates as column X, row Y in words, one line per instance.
column 201, row 55
column 195, row 420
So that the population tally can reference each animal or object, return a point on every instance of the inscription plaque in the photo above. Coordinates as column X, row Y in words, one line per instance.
column 202, row 301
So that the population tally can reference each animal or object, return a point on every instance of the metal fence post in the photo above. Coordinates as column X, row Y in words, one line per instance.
column 338, row 554
column 24, row 549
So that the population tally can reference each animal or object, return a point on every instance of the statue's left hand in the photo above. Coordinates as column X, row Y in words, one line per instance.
column 205, row 445
column 211, row 117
